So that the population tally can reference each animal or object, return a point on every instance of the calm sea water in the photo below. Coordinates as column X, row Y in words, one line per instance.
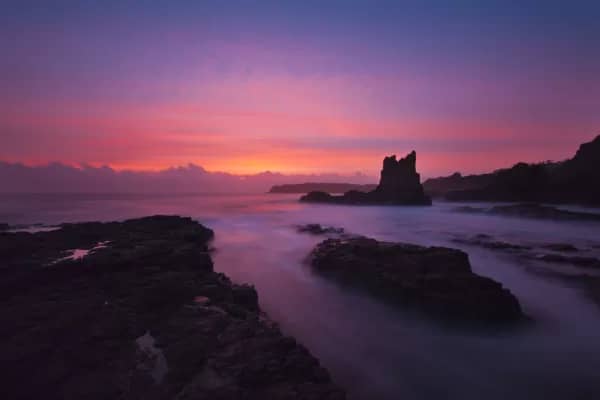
column 375, row 351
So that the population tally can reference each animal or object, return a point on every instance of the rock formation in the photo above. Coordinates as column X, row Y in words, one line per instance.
column 532, row 210
column 318, row 229
column 436, row 279
column 144, row 316
column 400, row 184
column 546, row 252
column 570, row 181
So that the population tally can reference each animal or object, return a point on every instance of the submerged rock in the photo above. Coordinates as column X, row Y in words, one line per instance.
column 578, row 261
column 531, row 251
column 561, row 247
column 318, row 229
column 144, row 317
column 489, row 242
column 437, row 279
column 532, row 210
column 400, row 184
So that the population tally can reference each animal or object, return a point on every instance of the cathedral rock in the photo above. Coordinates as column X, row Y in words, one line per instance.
column 400, row 184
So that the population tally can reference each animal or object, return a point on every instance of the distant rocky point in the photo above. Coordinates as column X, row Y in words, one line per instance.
column 328, row 187
column 571, row 181
column 400, row 184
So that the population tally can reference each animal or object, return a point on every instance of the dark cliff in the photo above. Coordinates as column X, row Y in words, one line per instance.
column 570, row 181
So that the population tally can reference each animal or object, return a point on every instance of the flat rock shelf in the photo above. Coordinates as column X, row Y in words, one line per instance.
column 143, row 316
column 436, row 279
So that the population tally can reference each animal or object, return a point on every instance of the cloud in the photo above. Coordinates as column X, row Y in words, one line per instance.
column 61, row 178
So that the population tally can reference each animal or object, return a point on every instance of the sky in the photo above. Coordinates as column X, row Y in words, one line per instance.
column 297, row 87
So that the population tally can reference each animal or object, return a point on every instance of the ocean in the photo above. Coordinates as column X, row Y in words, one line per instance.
column 374, row 350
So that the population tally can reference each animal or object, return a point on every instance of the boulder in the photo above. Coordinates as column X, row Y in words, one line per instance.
column 435, row 279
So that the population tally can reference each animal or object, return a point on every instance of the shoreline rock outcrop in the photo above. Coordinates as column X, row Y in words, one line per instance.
column 399, row 184
column 554, row 253
column 438, row 280
column 570, row 181
column 143, row 315
column 318, row 229
column 532, row 210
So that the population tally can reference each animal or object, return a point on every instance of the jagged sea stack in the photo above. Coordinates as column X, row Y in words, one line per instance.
column 400, row 184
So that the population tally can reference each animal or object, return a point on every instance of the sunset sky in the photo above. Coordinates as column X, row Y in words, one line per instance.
column 298, row 87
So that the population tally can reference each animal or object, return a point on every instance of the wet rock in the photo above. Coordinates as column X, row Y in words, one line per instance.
column 529, row 251
column 489, row 242
column 436, row 279
column 469, row 209
column 531, row 210
column 561, row 247
column 318, row 197
column 318, row 229
column 144, row 317
column 534, row 210
column 400, row 184
column 586, row 262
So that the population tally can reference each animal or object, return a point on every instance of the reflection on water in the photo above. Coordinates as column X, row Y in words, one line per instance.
column 371, row 349
column 78, row 254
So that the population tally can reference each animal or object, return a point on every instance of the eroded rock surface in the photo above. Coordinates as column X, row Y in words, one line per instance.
column 436, row 279
column 145, row 317
column 318, row 229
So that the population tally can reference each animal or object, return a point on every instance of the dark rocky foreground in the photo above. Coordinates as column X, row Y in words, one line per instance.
column 143, row 316
column 400, row 184
column 436, row 279
column 532, row 210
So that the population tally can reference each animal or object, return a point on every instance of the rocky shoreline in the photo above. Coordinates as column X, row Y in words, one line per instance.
column 437, row 280
column 571, row 181
column 532, row 210
column 135, row 310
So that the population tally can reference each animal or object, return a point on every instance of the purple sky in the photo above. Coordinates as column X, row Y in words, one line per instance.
column 298, row 87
